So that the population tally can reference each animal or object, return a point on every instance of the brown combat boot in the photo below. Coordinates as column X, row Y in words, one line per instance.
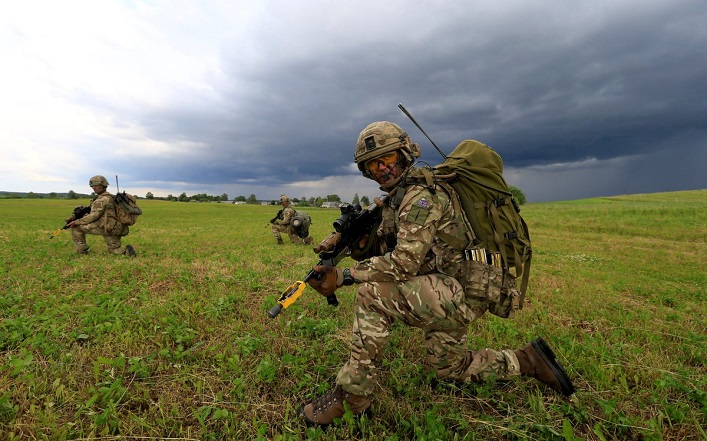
column 538, row 361
column 329, row 406
column 308, row 240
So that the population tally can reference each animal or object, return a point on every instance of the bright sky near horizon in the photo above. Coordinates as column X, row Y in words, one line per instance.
column 581, row 99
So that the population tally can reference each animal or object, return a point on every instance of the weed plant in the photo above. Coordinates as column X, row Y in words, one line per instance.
column 176, row 343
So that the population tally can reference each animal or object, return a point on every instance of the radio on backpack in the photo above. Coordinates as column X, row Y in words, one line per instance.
column 126, row 208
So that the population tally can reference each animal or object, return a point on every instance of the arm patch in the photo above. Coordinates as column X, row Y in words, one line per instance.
column 419, row 212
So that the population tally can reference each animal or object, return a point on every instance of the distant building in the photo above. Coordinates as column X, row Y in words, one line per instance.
column 331, row 204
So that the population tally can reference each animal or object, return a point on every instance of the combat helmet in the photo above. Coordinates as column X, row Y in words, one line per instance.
column 98, row 180
column 284, row 198
column 383, row 137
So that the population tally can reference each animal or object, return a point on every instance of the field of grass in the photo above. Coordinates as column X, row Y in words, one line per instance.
column 176, row 344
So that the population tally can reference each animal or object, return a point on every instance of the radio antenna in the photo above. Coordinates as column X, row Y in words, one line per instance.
column 421, row 129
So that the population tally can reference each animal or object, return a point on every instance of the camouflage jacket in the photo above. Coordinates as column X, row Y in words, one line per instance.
column 287, row 214
column 104, row 214
column 418, row 224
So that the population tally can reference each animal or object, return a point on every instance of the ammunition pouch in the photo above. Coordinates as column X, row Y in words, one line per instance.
column 488, row 284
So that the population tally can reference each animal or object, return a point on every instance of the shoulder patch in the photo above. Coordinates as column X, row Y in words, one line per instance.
column 419, row 211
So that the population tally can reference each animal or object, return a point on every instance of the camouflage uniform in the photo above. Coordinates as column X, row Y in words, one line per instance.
column 408, row 272
column 417, row 284
column 283, row 225
column 102, row 221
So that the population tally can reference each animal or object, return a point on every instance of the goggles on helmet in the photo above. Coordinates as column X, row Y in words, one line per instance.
column 388, row 160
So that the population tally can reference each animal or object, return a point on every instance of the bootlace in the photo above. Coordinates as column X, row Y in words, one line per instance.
column 332, row 397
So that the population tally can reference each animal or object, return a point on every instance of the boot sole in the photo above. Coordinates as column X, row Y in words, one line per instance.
column 309, row 423
column 548, row 356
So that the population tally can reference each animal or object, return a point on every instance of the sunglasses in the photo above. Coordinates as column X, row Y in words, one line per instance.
column 387, row 160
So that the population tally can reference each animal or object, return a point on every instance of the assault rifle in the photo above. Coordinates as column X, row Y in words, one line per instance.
column 350, row 227
column 78, row 213
column 277, row 216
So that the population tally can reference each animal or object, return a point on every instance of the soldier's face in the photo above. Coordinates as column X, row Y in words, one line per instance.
column 386, row 168
column 98, row 189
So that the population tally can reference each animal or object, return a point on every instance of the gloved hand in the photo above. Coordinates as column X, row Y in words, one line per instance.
column 363, row 248
column 330, row 279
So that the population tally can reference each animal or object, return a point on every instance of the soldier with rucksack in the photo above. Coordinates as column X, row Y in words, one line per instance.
column 102, row 220
column 426, row 267
column 288, row 221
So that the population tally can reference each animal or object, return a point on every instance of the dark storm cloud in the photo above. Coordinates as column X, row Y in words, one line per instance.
column 544, row 84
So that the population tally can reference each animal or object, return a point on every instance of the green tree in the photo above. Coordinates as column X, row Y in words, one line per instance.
column 355, row 199
column 149, row 195
column 333, row 198
column 183, row 198
column 240, row 199
column 517, row 194
column 72, row 194
column 252, row 199
column 365, row 202
column 224, row 197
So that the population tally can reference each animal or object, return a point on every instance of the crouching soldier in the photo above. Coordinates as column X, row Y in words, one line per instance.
column 102, row 221
column 417, row 284
column 283, row 223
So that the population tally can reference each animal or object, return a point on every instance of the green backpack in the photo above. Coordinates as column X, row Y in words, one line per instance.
column 475, row 172
column 126, row 208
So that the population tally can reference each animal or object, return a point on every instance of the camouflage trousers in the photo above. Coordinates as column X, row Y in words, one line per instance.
column 434, row 303
column 277, row 230
column 78, row 235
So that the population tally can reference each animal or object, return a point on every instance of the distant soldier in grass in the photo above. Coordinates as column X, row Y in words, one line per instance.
column 409, row 273
column 282, row 223
column 102, row 221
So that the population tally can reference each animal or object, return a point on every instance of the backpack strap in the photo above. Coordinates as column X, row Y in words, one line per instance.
column 526, row 268
column 504, row 241
column 453, row 241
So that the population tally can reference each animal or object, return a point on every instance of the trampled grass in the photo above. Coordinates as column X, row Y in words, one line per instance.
column 176, row 343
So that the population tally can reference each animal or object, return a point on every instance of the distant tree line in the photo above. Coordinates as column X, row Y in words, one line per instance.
column 203, row 197
column 71, row 194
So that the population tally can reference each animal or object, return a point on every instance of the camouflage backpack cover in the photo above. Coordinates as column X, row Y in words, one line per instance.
column 501, row 251
column 126, row 207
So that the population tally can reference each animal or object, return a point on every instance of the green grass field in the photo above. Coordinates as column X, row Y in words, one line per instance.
column 177, row 344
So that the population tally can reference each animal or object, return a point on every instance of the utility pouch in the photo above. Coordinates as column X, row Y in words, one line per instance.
column 489, row 284
column 509, row 302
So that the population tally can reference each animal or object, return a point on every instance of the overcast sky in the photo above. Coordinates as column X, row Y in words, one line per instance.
column 580, row 98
